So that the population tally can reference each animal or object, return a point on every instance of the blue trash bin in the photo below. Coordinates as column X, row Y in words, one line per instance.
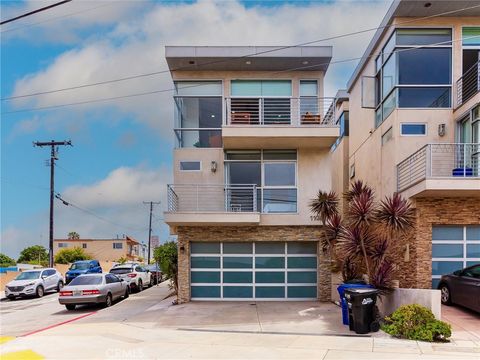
column 343, row 302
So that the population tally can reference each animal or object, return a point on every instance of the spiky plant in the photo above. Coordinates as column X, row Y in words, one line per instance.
column 350, row 270
column 382, row 277
column 354, row 243
column 356, row 188
column 361, row 209
column 325, row 205
column 396, row 213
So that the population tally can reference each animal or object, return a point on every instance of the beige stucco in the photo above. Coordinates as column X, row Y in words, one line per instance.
column 205, row 175
column 102, row 249
column 376, row 163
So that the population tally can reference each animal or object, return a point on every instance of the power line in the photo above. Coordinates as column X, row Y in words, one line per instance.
column 236, row 58
column 56, row 18
column 268, row 73
column 35, row 11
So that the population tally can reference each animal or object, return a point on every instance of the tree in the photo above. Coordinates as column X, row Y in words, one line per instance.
column 35, row 254
column 6, row 261
column 122, row 260
column 369, row 237
column 73, row 235
column 166, row 256
column 66, row 256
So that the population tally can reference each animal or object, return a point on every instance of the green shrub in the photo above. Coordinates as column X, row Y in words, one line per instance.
column 6, row 261
column 36, row 253
column 416, row 322
column 166, row 256
column 66, row 256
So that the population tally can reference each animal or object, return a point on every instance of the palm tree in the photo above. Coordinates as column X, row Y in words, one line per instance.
column 73, row 235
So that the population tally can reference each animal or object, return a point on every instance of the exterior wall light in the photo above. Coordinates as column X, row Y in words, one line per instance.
column 441, row 129
column 213, row 166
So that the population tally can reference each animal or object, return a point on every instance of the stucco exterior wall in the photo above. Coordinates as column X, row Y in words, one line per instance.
column 187, row 234
column 101, row 250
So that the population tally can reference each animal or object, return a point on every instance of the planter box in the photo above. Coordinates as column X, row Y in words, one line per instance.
column 426, row 297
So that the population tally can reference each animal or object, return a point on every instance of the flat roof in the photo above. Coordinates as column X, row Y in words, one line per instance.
column 128, row 238
column 244, row 58
column 413, row 8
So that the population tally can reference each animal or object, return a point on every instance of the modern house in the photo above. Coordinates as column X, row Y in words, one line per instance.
column 414, row 128
column 102, row 249
column 253, row 137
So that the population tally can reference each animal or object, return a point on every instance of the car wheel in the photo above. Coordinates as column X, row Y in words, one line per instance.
column 40, row 291
column 70, row 306
column 11, row 297
column 108, row 301
column 140, row 286
column 59, row 286
column 445, row 295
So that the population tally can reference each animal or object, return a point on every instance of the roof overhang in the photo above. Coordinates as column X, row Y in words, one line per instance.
column 413, row 8
column 248, row 58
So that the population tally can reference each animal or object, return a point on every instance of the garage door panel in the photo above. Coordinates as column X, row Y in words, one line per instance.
column 267, row 277
column 205, row 248
column 301, row 248
column 238, row 292
column 266, row 262
column 237, row 248
column 205, row 292
column 302, row 277
column 270, row 248
column 237, row 277
column 237, row 262
column 269, row 292
column 302, row 262
column 301, row 292
column 205, row 262
column 205, row 277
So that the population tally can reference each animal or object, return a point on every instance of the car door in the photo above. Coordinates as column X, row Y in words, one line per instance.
column 113, row 285
column 142, row 274
column 49, row 279
column 467, row 288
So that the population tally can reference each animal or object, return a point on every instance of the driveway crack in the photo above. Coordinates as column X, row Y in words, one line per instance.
column 258, row 317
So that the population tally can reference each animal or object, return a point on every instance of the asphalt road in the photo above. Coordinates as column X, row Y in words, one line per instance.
column 29, row 315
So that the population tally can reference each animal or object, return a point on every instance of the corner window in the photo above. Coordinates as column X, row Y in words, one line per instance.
column 190, row 165
column 410, row 129
column 117, row 245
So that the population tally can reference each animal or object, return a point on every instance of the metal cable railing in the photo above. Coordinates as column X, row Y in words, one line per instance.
column 468, row 85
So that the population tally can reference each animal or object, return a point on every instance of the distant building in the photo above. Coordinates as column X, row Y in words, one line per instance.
column 102, row 249
column 155, row 241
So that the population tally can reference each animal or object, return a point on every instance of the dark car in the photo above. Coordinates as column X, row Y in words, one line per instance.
column 462, row 288
column 82, row 267
column 157, row 275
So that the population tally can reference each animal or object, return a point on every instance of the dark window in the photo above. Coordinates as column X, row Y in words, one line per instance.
column 190, row 165
column 244, row 173
column 84, row 245
column 424, row 97
column 117, row 245
column 121, row 271
column 86, row 280
column 413, row 129
column 139, row 269
column 111, row 279
column 431, row 66
column 424, row 36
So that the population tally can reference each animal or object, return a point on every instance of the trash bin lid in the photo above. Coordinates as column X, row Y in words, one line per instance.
column 361, row 291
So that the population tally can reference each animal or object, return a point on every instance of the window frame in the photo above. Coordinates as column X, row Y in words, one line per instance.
column 116, row 247
column 425, row 125
column 190, row 161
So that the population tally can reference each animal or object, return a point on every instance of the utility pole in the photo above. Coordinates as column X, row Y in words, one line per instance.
column 150, row 226
column 53, row 157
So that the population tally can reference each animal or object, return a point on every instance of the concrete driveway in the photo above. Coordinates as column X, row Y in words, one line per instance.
column 465, row 323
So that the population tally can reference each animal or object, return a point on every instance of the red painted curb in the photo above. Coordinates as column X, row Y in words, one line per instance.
column 61, row 323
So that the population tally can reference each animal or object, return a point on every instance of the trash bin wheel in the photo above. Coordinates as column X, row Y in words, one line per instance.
column 374, row 326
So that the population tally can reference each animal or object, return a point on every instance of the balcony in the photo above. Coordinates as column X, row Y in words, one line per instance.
column 212, row 204
column 468, row 85
column 441, row 170
column 253, row 122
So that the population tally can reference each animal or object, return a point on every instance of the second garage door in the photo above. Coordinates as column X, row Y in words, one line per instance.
column 253, row 271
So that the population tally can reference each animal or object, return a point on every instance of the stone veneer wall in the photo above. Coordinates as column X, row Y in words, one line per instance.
column 436, row 211
column 247, row 234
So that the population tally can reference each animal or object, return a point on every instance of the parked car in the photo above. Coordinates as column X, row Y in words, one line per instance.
column 34, row 283
column 157, row 275
column 135, row 275
column 82, row 267
column 93, row 289
column 462, row 288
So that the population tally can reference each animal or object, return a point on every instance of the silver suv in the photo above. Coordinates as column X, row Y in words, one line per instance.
column 34, row 283
column 135, row 275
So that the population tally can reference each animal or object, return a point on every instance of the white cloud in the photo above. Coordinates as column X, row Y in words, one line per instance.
column 136, row 45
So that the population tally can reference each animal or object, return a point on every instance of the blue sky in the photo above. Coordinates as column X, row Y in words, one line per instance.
column 122, row 149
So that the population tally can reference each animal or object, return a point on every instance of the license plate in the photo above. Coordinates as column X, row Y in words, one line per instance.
column 77, row 293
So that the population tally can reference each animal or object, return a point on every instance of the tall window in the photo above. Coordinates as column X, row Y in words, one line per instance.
column 260, row 102
column 273, row 171
column 198, row 114
column 411, row 77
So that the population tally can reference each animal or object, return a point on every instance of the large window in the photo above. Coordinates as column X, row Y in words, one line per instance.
column 198, row 113
column 414, row 70
column 273, row 171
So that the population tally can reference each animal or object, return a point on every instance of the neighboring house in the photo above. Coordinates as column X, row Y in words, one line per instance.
column 414, row 128
column 252, row 149
column 102, row 249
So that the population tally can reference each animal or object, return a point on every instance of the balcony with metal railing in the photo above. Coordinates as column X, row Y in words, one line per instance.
column 468, row 85
column 193, row 204
column 447, row 169
column 279, row 121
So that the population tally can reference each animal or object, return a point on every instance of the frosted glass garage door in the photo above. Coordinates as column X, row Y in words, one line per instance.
column 453, row 248
column 253, row 271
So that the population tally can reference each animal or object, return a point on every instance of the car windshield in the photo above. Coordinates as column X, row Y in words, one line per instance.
column 80, row 266
column 28, row 275
column 86, row 280
column 122, row 270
